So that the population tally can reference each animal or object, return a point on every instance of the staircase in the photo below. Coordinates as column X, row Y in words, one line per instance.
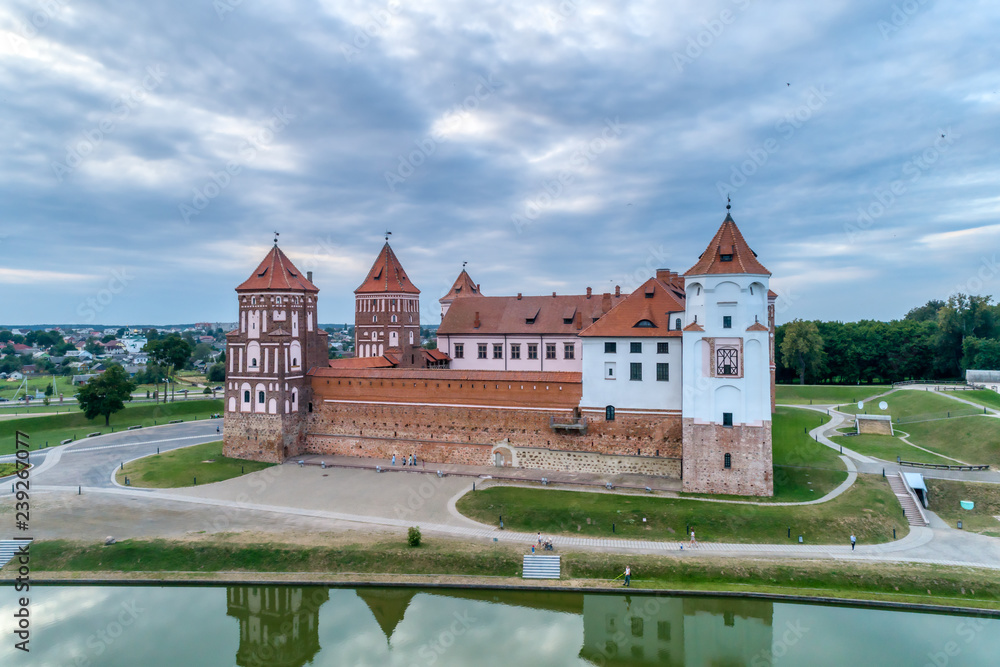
column 8, row 548
column 913, row 514
column 540, row 567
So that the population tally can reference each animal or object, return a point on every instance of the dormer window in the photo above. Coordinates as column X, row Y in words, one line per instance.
column 726, row 258
column 645, row 324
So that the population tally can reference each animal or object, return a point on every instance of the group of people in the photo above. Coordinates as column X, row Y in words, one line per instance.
column 542, row 544
column 412, row 459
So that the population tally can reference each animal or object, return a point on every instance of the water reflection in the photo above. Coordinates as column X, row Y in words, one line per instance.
column 278, row 625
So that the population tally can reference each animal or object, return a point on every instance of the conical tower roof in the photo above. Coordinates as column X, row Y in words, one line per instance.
column 277, row 273
column 728, row 253
column 464, row 286
column 388, row 606
column 386, row 275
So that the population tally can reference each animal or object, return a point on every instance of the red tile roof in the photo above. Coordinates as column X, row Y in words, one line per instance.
column 463, row 287
column 355, row 363
column 694, row 326
column 757, row 326
column 447, row 375
column 636, row 307
column 435, row 355
column 728, row 241
column 277, row 273
column 526, row 315
column 386, row 275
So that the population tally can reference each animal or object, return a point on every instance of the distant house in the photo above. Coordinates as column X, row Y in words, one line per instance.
column 206, row 339
column 21, row 348
column 14, row 376
column 29, row 368
column 80, row 380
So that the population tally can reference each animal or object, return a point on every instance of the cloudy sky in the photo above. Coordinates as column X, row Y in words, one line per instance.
column 151, row 149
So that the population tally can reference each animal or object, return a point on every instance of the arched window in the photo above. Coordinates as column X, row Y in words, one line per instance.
column 728, row 461
column 295, row 362
column 246, row 396
column 677, row 323
column 253, row 363
column 260, row 397
column 609, row 413
column 645, row 324
column 277, row 300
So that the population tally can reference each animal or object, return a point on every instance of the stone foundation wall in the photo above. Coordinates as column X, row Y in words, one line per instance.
column 874, row 426
column 262, row 437
column 705, row 447
column 551, row 459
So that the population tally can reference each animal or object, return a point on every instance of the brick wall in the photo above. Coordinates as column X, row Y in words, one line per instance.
column 705, row 447
column 262, row 437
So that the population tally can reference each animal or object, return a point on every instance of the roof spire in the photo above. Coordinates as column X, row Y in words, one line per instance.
column 276, row 238
column 463, row 265
column 387, row 235
column 728, row 203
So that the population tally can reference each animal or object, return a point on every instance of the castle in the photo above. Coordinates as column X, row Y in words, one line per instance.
column 675, row 379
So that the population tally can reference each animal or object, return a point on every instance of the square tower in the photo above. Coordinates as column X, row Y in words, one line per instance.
column 387, row 313
column 727, row 370
column 276, row 343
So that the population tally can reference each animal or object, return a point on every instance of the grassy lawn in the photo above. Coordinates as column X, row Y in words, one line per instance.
column 908, row 404
column 899, row 582
column 7, row 469
column 8, row 388
column 985, row 397
column 826, row 394
column 868, row 509
column 944, row 498
column 887, row 448
column 55, row 428
column 179, row 467
column 973, row 439
column 803, row 468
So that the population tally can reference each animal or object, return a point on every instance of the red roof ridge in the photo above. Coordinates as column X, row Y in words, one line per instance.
column 728, row 241
column 387, row 275
column 757, row 326
column 694, row 326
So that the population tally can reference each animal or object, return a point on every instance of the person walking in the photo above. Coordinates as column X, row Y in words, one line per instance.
column 628, row 576
column 694, row 542
column 393, row 459
column 854, row 541
column 539, row 538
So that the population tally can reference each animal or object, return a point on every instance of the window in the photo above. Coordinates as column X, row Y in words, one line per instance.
column 374, row 318
column 728, row 461
column 497, row 351
column 726, row 362
column 295, row 362
column 645, row 324
column 609, row 413
column 277, row 300
column 253, row 363
column 662, row 372
column 550, row 350
column 481, row 350
column 635, row 372
column 662, row 348
column 635, row 348
column 610, row 348
column 663, row 631
column 727, row 321
column 260, row 397
column 727, row 258
column 569, row 351
column 246, row 396
column 459, row 351
column 393, row 319
column 727, row 418
column 532, row 350
column 609, row 370
column 637, row 626
column 677, row 323
column 515, row 351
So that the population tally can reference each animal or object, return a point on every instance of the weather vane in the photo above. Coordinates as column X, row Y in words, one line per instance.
column 728, row 203
column 387, row 235
column 463, row 264
column 276, row 238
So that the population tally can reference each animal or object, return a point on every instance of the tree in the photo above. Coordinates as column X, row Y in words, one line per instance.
column 107, row 338
column 171, row 351
column 121, row 332
column 216, row 373
column 93, row 347
column 927, row 312
column 802, row 347
column 203, row 352
column 106, row 394
column 48, row 389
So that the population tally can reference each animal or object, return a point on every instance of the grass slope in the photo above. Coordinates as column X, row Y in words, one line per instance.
column 868, row 509
column 180, row 467
column 54, row 428
column 63, row 385
column 899, row 582
column 887, row 448
column 913, row 403
column 944, row 496
column 973, row 439
column 982, row 396
column 826, row 394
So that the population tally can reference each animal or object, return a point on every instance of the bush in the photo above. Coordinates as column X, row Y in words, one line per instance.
column 207, row 391
column 413, row 536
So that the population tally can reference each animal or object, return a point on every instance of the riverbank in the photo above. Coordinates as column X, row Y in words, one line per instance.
column 215, row 560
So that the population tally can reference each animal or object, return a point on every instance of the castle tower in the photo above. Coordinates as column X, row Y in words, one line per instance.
column 267, row 358
column 278, row 625
column 387, row 313
column 463, row 287
column 727, row 370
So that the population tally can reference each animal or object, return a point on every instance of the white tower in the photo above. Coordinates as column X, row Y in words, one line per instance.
column 727, row 370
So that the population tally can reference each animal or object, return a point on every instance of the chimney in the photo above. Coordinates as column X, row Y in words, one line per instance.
column 590, row 291
column 518, row 296
column 476, row 323
column 309, row 276
column 618, row 290
column 605, row 303
column 478, row 291
column 664, row 275
column 579, row 320
column 553, row 295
